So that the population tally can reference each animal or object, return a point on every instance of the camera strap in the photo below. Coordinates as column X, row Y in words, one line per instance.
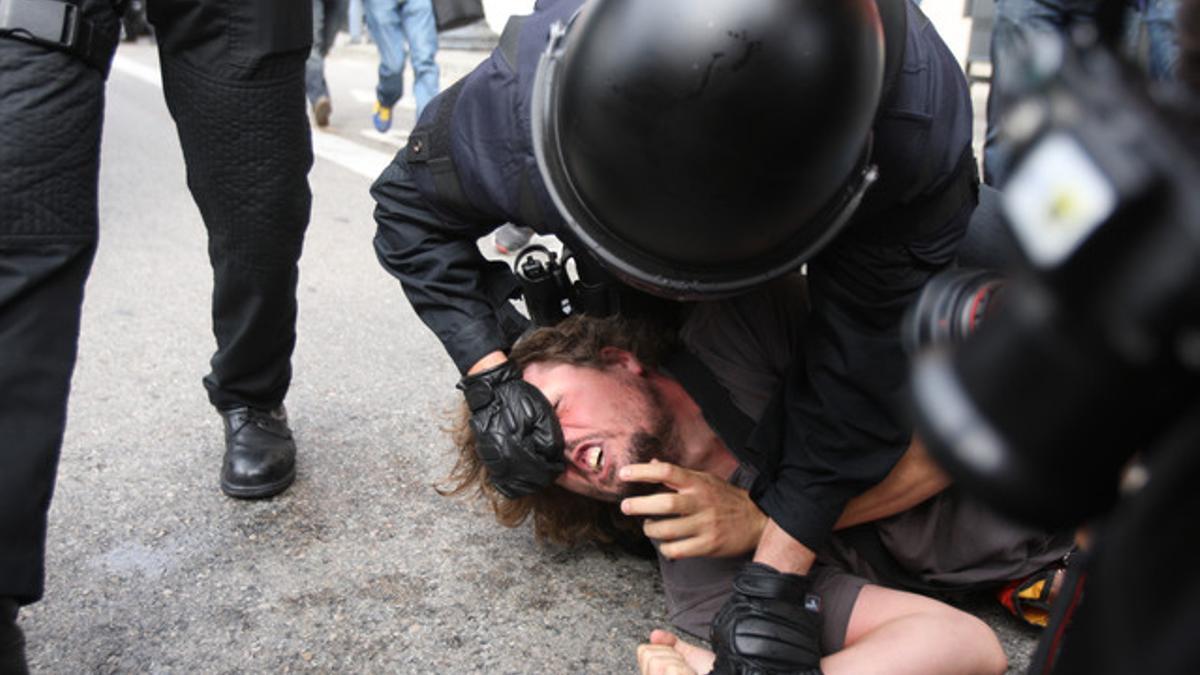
column 60, row 26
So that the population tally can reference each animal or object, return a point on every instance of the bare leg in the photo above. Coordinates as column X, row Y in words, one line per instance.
column 890, row 632
column 896, row 632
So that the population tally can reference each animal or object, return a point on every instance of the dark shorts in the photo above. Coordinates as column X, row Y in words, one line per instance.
column 697, row 587
column 839, row 591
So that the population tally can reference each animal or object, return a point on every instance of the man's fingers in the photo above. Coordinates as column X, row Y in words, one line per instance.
column 661, row 660
column 671, row 529
column 691, row 547
column 661, row 504
column 666, row 473
column 659, row 636
column 699, row 659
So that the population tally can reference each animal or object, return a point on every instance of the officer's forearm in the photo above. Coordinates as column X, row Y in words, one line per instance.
column 778, row 549
column 491, row 360
column 914, row 479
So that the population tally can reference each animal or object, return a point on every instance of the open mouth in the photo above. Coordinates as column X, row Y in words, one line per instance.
column 594, row 458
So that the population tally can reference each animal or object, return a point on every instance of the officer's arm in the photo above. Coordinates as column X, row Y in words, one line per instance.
column 842, row 429
column 432, row 250
column 915, row 478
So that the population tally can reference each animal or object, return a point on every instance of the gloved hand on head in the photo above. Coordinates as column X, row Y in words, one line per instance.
column 517, row 434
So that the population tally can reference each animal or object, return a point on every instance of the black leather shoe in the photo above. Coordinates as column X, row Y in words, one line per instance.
column 12, row 640
column 260, row 455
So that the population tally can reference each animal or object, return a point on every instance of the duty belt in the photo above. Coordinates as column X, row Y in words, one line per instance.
column 58, row 25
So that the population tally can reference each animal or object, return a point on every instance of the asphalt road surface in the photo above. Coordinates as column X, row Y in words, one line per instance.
column 361, row 566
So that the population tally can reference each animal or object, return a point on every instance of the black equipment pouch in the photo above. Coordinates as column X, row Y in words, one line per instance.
column 597, row 292
column 545, row 285
column 60, row 26
column 551, row 295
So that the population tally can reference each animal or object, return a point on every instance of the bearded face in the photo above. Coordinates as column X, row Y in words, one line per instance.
column 610, row 418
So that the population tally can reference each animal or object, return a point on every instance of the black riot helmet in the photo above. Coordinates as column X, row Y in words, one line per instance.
column 701, row 147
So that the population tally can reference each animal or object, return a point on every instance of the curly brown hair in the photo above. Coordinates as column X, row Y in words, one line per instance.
column 559, row 515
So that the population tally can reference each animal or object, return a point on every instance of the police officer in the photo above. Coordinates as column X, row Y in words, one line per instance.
column 696, row 150
column 233, row 77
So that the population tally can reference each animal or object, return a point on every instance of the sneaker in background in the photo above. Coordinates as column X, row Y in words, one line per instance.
column 322, row 109
column 382, row 116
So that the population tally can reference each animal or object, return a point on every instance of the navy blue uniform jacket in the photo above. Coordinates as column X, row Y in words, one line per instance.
column 837, row 426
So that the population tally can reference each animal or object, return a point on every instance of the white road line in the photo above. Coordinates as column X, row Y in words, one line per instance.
column 396, row 138
column 368, row 96
column 327, row 146
column 350, row 155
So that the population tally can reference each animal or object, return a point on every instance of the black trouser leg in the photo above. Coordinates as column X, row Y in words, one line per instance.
column 233, row 76
column 50, row 115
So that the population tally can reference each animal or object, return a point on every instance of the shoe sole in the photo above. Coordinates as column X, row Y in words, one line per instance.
column 321, row 111
column 258, row 491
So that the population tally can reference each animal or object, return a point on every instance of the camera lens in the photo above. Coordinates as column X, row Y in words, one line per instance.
column 952, row 306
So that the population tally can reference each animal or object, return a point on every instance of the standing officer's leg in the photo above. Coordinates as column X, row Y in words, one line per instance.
column 233, row 76
column 51, row 105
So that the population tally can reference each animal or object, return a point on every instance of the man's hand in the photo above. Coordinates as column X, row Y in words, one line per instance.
column 704, row 516
column 770, row 624
column 517, row 434
column 668, row 655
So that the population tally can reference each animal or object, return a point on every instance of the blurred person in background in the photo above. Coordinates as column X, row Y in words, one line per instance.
column 327, row 21
column 403, row 30
column 1158, row 20
column 356, row 20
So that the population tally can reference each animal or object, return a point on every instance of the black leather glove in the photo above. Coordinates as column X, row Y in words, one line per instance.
column 770, row 625
column 517, row 435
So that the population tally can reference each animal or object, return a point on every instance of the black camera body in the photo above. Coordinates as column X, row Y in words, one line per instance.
column 1096, row 348
column 1091, row 364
